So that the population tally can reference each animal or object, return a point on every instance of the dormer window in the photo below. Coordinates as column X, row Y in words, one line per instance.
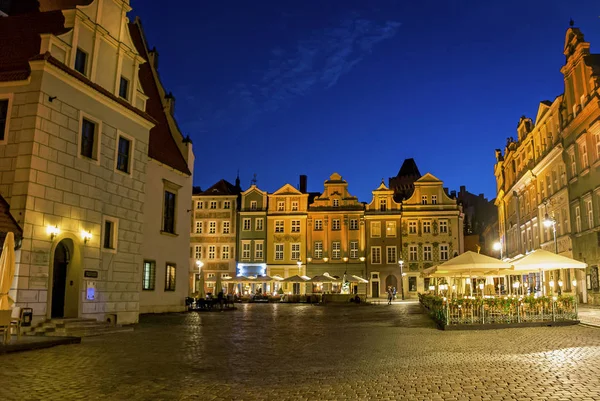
column 80, row 61
column 253, row 205
column 383, row 205
column 124, row 88
column 336, row 203
column 423, row 199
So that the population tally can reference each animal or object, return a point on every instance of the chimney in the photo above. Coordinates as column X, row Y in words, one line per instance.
column 153, row 54
column 303, row 179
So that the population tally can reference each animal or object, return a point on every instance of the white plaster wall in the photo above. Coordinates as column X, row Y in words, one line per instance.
column 163, row 248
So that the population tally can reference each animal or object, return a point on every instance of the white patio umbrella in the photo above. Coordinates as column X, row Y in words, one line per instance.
column 200, row 286
column 7, row 271
column 294, row 279
column 469, row 263
column 542, row 260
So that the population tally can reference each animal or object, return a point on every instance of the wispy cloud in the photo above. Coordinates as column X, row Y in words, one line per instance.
column 318, row 61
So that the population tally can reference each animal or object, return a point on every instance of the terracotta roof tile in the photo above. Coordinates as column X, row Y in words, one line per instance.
column 162, row 146
column 222, row 187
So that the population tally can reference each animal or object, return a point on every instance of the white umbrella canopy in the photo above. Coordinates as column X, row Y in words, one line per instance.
column 294, row 279
column 541, row 259
column 468, row 263
column 324, row 279
column 7, row 271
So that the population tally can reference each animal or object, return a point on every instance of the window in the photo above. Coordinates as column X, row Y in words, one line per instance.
column 110, row 234
column 280, row 206
column 169, row 213
column 225, row 252
column 88, row 139
column 336, row 250
column 423, row 199
column 294, row 206
column 563, row 175
column 212, row 227
column 413, row 253
column 375, row 229
column 259, row 224
column 390, row 229
column 247, row 223
column 170, row 278
column 124, row 88
column 335, row 224
column 198, row 252
column 318, row 225
column 590, row 213
column 279, row 226
column 584, row 154
column 427, row 227
column 295, row 226
column 577, row 219
column 354, row 224
column 213, row 204
column 412, row 227
column 148, row 275
column 353, row 249
column 443, row 226
column 427, row 252
column 573, row 162
column 258, row 250
column 253, row 205
column 278, row 251
column 3, row 119
column 212, row 252
column 199, row 205
column 376, row 254
column 383, row 205
column 596, row 141
column 412, row 284
column 391, row 254
column 226, row 227
column 81, row 61
column 443, row 251
column 318, row 250
column 434, row 199
column 198, row 227
column 227, row 205
column 336, row 202
column 548, row 185
column 296, row 251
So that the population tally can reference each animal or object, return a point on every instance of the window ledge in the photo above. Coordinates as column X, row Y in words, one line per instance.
column 596, row 163
column 124, row 174
column 109, row 250
column 585, row 171
column 573, row 180
column 148, row 289
column 168, row 234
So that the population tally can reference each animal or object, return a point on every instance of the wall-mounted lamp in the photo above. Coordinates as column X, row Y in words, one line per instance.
column 53, row 231
column 199, row 263
column 51, row 98
column 86, row 235
column 325, row 259
column 362, row 258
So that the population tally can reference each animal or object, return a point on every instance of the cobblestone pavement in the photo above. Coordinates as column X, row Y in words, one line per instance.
column 303, row 352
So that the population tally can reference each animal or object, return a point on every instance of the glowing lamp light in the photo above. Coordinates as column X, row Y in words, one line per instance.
column 308, row 260
column 199, row 263
column 481, row 286
column 345, row 259
column 516, row 284
column 574, row 283
column 432, row 288
column 551, row 283
column 497, row 246
column 554, row 298
column 299, row 263
column 86, row 235
column 325, row 259
column 362, row 258
column 560, row 283
column 52, row 231
column 548, row 222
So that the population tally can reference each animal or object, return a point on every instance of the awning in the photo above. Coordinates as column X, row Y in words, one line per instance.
column 541, row 259
column 295, row 279
column 467, row 264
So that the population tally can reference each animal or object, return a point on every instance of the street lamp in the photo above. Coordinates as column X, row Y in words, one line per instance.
column 299, row 263
column 498, row 247
column 402, row 274
column 345, row 259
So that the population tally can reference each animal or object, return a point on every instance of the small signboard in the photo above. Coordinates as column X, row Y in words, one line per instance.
column 90, row 274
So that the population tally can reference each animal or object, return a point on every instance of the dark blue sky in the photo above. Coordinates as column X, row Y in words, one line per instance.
column 282, row 88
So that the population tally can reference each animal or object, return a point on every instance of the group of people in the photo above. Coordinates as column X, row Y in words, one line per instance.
column 391, row 294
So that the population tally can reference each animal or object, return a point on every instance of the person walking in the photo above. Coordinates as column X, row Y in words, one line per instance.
column 394, row 292
column 390, row 295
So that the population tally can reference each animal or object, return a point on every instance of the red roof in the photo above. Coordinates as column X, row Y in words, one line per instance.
column 162, row 146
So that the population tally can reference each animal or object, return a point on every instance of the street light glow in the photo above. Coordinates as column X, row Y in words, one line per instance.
column 497, row 246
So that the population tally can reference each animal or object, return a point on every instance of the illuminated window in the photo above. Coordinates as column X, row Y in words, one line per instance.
column 390, row 229
column 376, row 254
column 375, row 229
column 170, row 277
column 318, row 250
column 149, row 275
column 336, row 249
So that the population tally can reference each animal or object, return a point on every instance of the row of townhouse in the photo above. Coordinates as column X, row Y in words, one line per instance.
column 92, row 164
column 294, row 232
column 548, row 179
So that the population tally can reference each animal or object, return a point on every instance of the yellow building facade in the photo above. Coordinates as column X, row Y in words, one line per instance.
column 336, row 231
column 286, row 233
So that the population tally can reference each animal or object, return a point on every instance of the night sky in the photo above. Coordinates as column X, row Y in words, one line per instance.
column 282, row 88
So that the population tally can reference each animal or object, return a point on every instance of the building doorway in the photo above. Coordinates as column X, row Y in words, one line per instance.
column 65, row 281
column 59, row 279
column 391, row 281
